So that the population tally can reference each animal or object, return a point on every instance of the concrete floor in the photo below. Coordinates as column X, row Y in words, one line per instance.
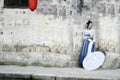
column 41, row 73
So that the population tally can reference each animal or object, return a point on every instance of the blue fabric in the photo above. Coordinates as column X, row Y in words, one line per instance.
column 87, row 34
column 93, row 48
column 84, row 50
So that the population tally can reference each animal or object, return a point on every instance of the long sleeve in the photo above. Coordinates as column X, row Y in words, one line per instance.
column 89, row 34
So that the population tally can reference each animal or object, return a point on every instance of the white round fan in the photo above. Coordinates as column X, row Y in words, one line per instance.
column 93, row 60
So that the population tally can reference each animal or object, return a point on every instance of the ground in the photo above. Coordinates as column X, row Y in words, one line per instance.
column 53, row 73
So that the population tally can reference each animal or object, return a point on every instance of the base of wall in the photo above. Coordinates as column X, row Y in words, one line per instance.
column 112, row 60
column 37, row 59
column 46, row 59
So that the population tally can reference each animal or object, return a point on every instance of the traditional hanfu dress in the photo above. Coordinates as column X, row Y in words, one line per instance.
column 88, row 40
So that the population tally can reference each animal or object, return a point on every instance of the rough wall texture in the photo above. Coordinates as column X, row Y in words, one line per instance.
column 48, row 30
column 56, row 27
column 105, row 16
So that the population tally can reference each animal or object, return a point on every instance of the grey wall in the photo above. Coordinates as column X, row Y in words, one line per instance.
column 56, row 27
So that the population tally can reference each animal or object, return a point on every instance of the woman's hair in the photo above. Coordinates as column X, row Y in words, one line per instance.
column 88, row 23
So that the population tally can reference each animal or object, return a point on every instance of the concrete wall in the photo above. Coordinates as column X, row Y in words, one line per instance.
column 56, row 27
column 22, row 28
column 105, row 15
column 46, row 30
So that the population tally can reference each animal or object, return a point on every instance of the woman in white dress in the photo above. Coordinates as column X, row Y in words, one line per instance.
column 88, row 40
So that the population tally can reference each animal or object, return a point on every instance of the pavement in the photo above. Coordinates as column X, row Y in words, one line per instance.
column 13, row 72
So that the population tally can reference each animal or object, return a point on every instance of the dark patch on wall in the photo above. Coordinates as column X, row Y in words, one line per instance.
column 119, row 9
column 94, row 3
column 62, row 11
column 59, row 1
column 51, row 9
column 33, row 48
column 111, row 9
column 117, row 0
column 1, row 12
column 86, row 6
column 80, row 5
column 101, row 8
column 19, row 47
column 45, row 7
column 1, row 33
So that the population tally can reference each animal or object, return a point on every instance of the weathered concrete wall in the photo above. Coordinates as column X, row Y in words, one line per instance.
column 45, row 59
column 105, row 15
column 33, row 31
column 56, row 27
column 48, row 29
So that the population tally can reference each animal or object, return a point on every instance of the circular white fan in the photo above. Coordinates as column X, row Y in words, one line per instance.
column 93, row 60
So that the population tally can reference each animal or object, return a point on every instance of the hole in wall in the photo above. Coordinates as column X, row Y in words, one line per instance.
column 1, row 33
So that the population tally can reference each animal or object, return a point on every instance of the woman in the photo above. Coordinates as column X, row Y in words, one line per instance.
column 88, row 42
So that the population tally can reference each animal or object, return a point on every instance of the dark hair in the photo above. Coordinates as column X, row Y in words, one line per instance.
column 88, row 23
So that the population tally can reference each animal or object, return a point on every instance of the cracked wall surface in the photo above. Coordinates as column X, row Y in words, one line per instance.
column 56, row 27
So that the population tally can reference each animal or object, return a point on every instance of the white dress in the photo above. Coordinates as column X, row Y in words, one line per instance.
column 89, row 33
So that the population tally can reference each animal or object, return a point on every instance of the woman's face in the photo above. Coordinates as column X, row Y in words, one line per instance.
column 90, row 26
